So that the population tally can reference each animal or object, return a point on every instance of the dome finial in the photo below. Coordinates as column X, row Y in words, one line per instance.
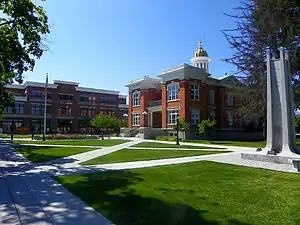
column 200, row 44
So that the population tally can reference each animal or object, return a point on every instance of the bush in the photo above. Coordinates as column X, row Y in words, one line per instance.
column 66, row 137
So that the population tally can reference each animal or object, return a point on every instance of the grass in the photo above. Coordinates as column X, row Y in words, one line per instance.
column 253, row 144
column 15, row 135
column 43, row 154
column 129, row 155
column 104, row 143
column 163, row 145
column 196, row 193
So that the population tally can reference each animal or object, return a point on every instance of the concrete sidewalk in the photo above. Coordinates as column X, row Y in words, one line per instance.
column 35, row 198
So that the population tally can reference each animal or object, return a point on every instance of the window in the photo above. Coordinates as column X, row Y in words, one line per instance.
column 37, row 94
column 195, row 117
column 35, row 108
column 92, row 112
column 194, row 91
column 66, row 97
column 212, row 115
column 230, row 118
column 173, row 115
column 108, row 99
column 65, row 110
column 229, row 100
column 84, row 98
column 8, row 109
column 212, row 97
column 173, row 91
column 92, row 99
column 48, row 110
column 84, row 111
column 136, row 98
column 19, row 108
column 135, row 119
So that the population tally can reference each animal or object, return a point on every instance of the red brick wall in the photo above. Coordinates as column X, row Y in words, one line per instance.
column 147, row 95
column 130, row 110
column 164, row 100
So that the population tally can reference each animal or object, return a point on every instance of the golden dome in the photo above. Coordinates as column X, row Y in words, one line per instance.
column 200, row 52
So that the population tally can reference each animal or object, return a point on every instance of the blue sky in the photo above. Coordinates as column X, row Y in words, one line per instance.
column 105, row 43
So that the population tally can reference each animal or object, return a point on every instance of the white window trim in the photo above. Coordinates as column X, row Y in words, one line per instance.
column 198, row 114
column 139, row 116
column 198, row 99
column 210, row 99
column 232, row 118
column 173, row 84
column 136, row 96
column 172, row 109
column 229, row 102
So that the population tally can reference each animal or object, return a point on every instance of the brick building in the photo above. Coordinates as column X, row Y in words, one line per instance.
column 187, row 91
column 69, row 106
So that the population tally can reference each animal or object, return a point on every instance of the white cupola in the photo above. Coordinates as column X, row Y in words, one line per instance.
column 200, row 58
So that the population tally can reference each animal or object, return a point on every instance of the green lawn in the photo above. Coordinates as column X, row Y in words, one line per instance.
column 103, row 143
column 43, row 154
column 163, row 145
column 205, row 193
column 253, row 144
column 129, row 155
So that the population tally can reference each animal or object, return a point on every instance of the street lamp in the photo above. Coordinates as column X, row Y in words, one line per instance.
column 145, row 114
column 177, row 132
column 126, row 118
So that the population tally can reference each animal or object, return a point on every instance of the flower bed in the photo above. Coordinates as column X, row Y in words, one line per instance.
column 66, row 136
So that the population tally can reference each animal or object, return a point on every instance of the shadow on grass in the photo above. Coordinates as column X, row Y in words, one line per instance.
column 111, row 194
column 29, row 152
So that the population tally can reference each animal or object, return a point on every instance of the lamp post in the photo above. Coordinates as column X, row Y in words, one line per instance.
column 126, row 118
column 45, row 109
column 12, row 127
column 177, row 132
column 144, row 114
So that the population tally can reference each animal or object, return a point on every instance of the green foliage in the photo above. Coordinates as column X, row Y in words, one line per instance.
column 297, row 124
column 206, row 125
column 23, row 25
column 183, row 125
column 261, row 26
column 101, row 122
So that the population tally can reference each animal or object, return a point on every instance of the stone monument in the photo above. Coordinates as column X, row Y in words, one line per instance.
column 281, row 139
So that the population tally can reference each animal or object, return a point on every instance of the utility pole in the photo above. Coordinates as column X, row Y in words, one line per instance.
column 177, row 132
column 45, row 109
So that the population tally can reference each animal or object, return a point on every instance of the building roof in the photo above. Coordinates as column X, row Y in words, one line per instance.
column 94, row 90
column 57, row 82
column 65, row 82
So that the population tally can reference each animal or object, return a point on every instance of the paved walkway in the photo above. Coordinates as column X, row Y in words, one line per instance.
column 34, row 198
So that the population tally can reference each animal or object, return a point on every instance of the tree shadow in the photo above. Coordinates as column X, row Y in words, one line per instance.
column 111, row 194
column 28, row 152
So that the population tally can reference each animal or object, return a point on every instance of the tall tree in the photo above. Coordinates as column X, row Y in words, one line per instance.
column 263, row 25
column 23, row 26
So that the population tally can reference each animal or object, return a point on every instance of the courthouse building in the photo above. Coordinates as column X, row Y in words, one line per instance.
column 69, row 107
column 187, row 91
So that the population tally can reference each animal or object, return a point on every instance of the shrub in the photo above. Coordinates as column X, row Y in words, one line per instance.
column 206, row 125
column 66, row 137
